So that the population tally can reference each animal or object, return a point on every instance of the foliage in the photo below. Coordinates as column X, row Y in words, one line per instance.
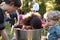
column 27, row 8
column 57, row 1
column 42, row 9
column 57, row 7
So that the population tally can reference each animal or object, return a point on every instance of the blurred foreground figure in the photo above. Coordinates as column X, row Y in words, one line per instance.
column 9, row 6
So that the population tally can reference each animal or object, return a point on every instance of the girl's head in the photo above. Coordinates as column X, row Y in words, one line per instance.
column 52, row 17
column 32, row 20
column 36, row 22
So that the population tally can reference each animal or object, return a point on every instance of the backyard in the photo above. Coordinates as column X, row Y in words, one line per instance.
column 8, row 30
column 44, row 6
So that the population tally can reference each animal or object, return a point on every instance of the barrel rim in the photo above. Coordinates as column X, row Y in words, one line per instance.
column 26, row 30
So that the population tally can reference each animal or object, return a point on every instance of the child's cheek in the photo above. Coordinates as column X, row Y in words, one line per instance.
column 49, row 23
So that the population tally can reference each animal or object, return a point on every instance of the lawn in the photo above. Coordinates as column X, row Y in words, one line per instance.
column 8, row 29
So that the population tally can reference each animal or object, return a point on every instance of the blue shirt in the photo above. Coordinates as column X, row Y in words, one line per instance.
column 54, row 33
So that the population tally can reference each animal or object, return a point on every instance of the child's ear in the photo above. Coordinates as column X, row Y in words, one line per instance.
column 11, row 4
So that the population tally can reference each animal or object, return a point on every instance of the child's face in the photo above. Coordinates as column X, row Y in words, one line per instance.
column 50, row 22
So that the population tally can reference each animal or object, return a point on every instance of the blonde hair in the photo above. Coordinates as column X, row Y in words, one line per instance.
column 54, row 15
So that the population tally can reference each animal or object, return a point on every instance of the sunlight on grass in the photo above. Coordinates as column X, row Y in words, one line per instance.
column 0, row 38
column 8, row 29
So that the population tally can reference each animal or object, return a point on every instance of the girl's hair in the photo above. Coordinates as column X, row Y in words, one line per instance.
column 54, row 15
column 17, row 3
column 28, row 17
column 26, row 21
column 33, row 20
column 36, row 23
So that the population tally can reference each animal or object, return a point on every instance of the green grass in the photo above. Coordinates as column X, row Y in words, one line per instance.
column 8, row 29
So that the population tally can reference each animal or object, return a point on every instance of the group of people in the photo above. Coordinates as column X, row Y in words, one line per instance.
column 29, row 21
column 33, row 20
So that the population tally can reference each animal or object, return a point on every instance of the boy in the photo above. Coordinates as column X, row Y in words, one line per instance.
column 9, row 6
column 54, row 28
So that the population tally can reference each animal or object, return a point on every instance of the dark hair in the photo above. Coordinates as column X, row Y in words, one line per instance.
column 26, row 21
column 36, row 23
column 17, row 3
column 0, row 1
column 33, row 21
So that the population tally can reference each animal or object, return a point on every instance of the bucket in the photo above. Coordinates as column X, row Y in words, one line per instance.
column 28, row 34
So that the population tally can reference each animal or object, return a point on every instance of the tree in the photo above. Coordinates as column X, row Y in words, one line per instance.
column 54, row 5
column 57, row 7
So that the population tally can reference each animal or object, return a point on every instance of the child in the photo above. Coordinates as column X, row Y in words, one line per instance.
column 54, row 28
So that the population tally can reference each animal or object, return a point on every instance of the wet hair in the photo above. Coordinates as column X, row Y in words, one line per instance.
column 17, row 3
column 36, row 23
column 26, row 21
column 29, row 16
column 33, row 21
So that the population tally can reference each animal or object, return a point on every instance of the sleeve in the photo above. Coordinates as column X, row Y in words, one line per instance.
column 1, row 16
column 52, row 38
column 53, row 33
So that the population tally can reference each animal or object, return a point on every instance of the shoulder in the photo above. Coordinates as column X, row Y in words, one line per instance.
column 57, row 30
column 57, row 27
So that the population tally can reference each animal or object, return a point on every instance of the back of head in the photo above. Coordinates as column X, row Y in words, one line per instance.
column 33, row 20
column 36, row 23
column 16, row 2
